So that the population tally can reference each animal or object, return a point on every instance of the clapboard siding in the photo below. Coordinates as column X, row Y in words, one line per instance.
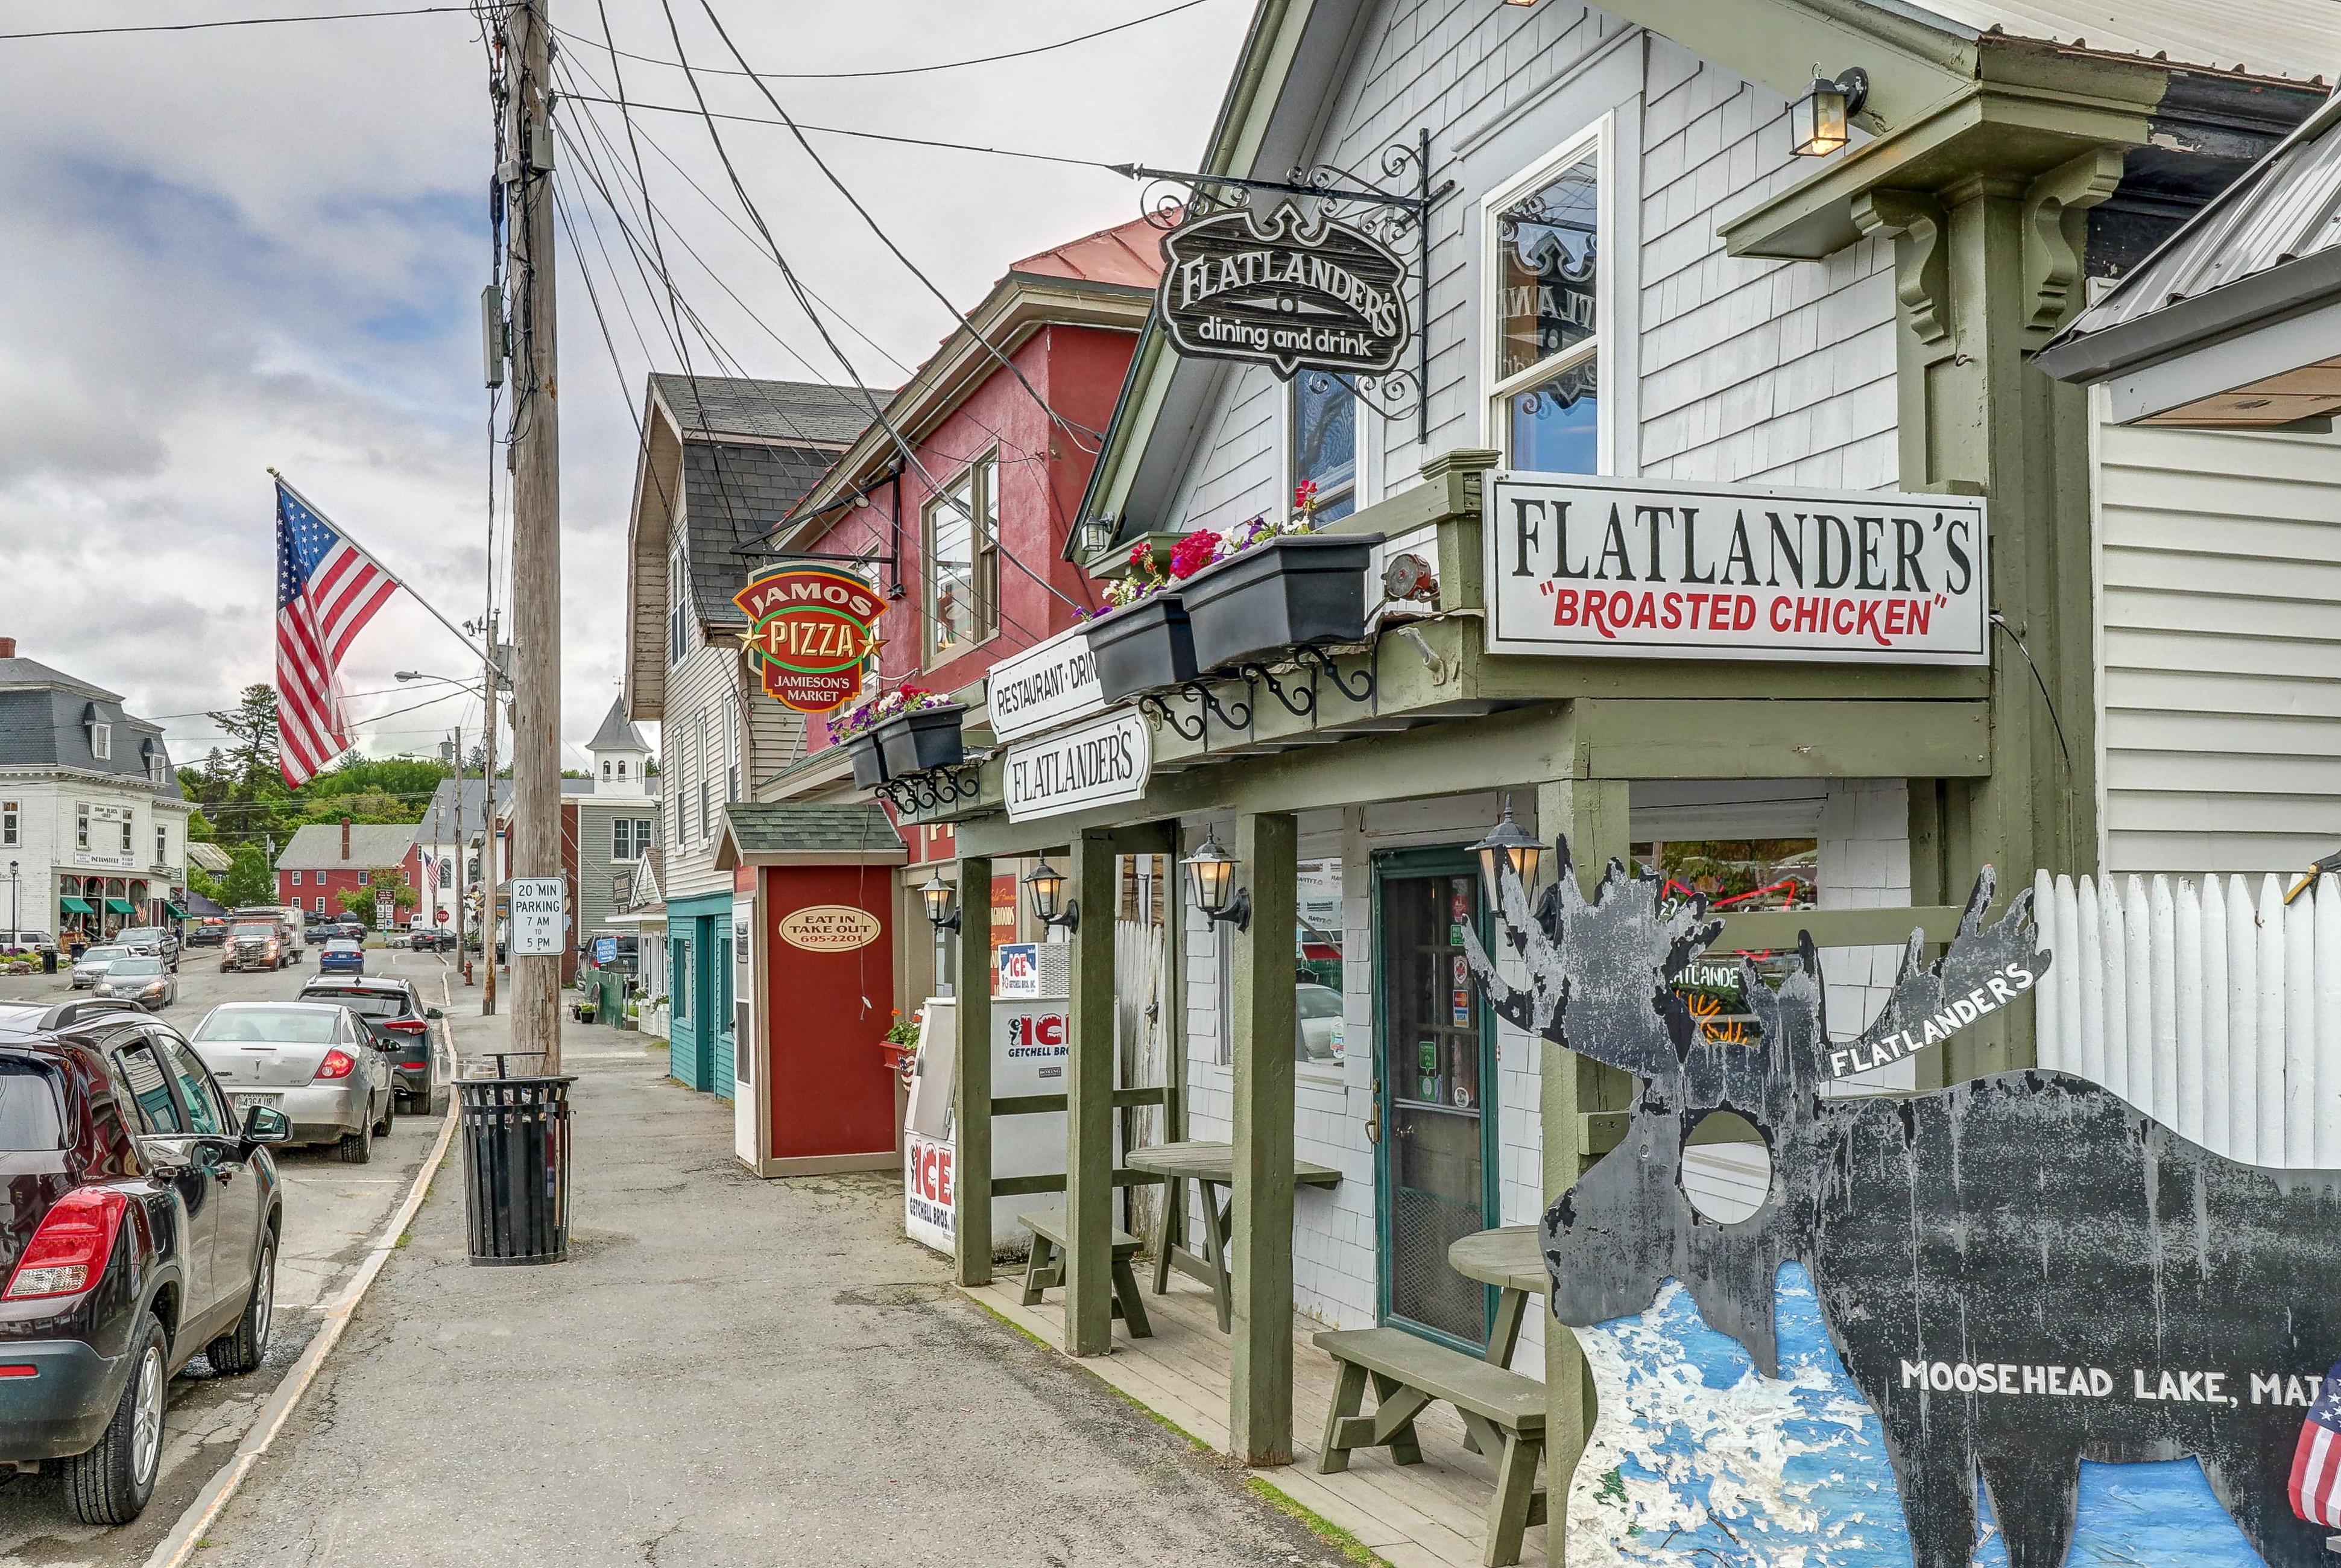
column 702, row 683
column 2219, row 586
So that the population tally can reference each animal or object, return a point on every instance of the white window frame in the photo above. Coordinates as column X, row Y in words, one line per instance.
column 366, row 879
column 321, row 903
column 296, row 879
column 732, row 754
column 161, row 844
column 80, row 825
column 706, row 772
column 980, row 479
column 9, row 819
column 1608, row 342
column 678, row 598
column 101, row 740
column 129, row 835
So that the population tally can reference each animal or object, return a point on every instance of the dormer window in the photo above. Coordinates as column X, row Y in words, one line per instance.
column 101, row 734
column 151, row 753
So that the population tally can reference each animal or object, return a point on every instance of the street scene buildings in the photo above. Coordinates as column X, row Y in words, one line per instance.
column 1572, row 790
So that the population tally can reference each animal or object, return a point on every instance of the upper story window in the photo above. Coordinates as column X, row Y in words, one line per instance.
column 8, row 817
column 621, row 767
column 706, row 771
column 296, row 879
column 678, row 600
column 1546, row 275
column 101, row 740
column 606, row 767
column 80, row 826
column 1325, row 442
column 128, row 842
column 366, row 879
column 732, row 754
column 962, row 584
column 161, row 845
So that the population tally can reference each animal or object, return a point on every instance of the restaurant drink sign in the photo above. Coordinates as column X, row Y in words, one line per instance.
column 1284, row 292
column 1642, row 568
column 1044, row 686
column 811, row 633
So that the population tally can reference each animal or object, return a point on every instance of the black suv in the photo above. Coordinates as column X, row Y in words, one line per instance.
column 139, row 1227
column 396, row 1017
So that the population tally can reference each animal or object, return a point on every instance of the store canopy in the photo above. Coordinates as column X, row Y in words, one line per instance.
column 75, row 906
column 174, row 911
column 119, row 906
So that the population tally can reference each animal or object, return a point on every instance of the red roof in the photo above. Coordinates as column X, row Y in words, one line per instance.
column 1128, row 254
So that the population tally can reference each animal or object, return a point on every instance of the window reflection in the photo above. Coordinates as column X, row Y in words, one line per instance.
column 1317, row 974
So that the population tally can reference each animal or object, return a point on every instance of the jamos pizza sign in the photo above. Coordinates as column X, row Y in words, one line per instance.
column 811, row 633
column 1283, row 292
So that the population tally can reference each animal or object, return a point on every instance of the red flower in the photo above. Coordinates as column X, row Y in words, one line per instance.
column 1192, row 554
column 1304, row 495
column 1141, row 556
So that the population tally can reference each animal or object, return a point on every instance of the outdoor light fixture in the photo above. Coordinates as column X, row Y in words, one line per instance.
column 1817, row 121
column 1211, row 874
column 1046, row 884
column 1097, row 536
column 1508, row 842
column 942, row 902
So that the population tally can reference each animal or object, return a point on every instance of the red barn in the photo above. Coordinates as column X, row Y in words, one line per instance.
column 325, row 860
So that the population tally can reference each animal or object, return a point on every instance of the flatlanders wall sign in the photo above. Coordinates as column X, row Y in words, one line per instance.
column 811, row 633
column 1283, row 293
column 1640, row 568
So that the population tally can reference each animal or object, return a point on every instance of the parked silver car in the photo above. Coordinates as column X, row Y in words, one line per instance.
column 314, row 1061
column 91, row 966
column 142, row 979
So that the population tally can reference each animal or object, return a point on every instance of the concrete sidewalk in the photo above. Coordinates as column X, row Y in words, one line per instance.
column 728, row 1371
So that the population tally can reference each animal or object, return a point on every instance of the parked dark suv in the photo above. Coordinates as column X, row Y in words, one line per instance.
column 395, row 1014
column 139, row 1226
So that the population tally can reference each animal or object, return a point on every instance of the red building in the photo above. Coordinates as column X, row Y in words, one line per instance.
column 325, row 860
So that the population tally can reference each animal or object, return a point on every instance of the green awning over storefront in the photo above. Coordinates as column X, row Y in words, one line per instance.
column 174, row 911
column 75, row 906
column 119, row 906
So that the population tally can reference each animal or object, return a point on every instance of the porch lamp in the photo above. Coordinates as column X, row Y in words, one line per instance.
column 1097, row 536
column 1817, row 121
column 1211, row 874
column 1046, row 885
column 1507, row 844
column 942, row 902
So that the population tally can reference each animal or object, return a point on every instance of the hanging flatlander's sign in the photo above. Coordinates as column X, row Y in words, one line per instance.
column 1100, row 763
column 811, row 633
column 1651, row 568
column 1285, row 293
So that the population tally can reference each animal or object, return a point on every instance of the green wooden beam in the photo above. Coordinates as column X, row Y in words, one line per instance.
column 1630, row 739
column 1089, row 1095
column 972, row 1079
column 1259, row 1388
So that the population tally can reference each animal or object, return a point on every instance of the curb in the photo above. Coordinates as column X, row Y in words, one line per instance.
column 175, row 1549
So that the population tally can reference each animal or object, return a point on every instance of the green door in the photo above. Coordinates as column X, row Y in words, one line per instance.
column 1434, row 1059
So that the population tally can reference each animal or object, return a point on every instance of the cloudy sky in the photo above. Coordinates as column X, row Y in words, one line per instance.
column 265, row 245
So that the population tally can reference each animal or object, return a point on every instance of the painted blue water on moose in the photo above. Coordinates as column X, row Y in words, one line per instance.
column 1700, row 1461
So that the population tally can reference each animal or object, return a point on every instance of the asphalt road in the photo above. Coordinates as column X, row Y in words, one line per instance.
column 332, row 1212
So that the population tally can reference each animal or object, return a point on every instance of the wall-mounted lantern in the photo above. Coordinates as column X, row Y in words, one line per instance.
column 1097, row 536
column 1818, row 122
column 1211, row 875
column 942, row 902
column 1507, row 844
column 1046, row 886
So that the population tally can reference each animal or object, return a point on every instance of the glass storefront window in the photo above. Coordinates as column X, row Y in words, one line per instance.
column 1319, row 1040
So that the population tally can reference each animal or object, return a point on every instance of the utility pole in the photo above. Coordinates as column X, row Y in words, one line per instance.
column 535, row 457
column 462, row 852
column 488, row 859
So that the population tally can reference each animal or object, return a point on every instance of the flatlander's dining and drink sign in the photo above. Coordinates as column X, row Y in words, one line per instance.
column 1642, row 568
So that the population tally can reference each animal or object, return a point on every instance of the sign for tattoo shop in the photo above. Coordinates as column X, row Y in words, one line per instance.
column 1283, row 292
column 1099, row 763
column 1642, row 568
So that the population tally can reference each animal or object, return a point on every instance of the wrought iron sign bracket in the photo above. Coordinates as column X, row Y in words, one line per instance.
column 1387, row 214
column 1300, row 702
column 931, row 791
column 1316, row 659
column 1208, row 701
column 1153, row 706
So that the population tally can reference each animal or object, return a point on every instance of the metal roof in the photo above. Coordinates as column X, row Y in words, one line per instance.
column 798, row 411
column 617, row 732
column 789, row 827
column 317, row 847
column 2281, row 40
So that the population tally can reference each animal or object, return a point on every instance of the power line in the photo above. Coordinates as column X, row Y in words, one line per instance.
column 899, row 70
column 236, row 22
column 840, row 131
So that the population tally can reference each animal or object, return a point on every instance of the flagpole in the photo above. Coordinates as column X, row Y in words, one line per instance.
column 351, row 541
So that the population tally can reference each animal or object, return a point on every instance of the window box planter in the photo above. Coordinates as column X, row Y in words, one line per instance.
column 868, row 763
column 1141, row 648
column 921, row 741
column 1300, row 588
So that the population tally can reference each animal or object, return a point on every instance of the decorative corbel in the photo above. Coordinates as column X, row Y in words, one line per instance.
column 1922, row 273
column 2055, row 236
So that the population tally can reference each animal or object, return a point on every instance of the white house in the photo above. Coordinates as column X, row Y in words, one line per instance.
column 92, row 829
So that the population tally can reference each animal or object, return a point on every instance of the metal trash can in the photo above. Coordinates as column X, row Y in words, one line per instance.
column 49, row 961
column 516, row 1168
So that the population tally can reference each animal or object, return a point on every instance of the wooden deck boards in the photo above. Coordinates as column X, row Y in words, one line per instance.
column 1429, row 1515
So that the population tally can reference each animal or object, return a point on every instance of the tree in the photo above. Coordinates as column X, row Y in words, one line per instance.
column 252, row 726
column 363, row 805
column 249, row 880
column 385, row 882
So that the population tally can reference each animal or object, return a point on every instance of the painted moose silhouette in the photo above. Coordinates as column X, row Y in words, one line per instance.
column 2019, row 1271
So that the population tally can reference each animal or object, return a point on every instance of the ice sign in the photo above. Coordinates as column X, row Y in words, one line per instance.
column 537, row 907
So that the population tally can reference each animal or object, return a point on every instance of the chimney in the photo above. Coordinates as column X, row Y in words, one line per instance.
column 7, row 647
column 346, row 838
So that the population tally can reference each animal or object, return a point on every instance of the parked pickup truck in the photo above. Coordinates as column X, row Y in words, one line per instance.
column 254, row 944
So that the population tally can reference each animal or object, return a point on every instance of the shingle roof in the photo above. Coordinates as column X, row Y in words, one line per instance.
column 733, row 497
column 45, row 722
column 317, row 847
column 805, row 411
column 785, row 827
column 617, row 732
column 446, row 820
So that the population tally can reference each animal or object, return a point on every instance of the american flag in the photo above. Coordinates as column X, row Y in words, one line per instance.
column 2316, row 1489
column 327, row 589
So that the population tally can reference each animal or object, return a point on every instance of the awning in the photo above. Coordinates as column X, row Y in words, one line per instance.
column 75, row 906
column 119, row 906
column 174, row 911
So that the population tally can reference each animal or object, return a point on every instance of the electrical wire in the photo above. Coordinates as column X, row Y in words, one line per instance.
column 904, row 70
column 862, row 135
column 234, row 21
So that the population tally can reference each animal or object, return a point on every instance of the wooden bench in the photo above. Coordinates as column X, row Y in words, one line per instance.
column 1045, row 1269
column 1502, row 1409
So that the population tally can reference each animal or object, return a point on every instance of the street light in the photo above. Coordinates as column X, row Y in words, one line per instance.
column 942, row 902
column 470, row 687
column 1211, row 876
column 1046, row 885
column 1507, row 844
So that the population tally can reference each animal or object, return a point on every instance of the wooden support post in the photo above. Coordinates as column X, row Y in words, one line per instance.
column 1260, row 1391
column 1089, row 1104
column 1592, row 812
column 972, row 1076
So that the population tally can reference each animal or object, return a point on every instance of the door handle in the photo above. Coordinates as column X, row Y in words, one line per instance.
column 1374, row 1116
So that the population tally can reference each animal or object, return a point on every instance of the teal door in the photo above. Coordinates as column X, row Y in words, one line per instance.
column 721, row 1063
column 1434, row 1061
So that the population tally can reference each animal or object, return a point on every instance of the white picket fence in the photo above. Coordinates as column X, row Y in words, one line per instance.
column 2215, row 1011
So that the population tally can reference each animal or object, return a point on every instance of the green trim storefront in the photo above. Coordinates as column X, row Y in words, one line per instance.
column 699, row 988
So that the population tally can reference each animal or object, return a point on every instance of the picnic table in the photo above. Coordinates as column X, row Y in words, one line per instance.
column 1506, row 1257
column 1211, row 1167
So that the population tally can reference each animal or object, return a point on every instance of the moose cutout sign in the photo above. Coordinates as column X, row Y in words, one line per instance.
column 1964, row 1295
